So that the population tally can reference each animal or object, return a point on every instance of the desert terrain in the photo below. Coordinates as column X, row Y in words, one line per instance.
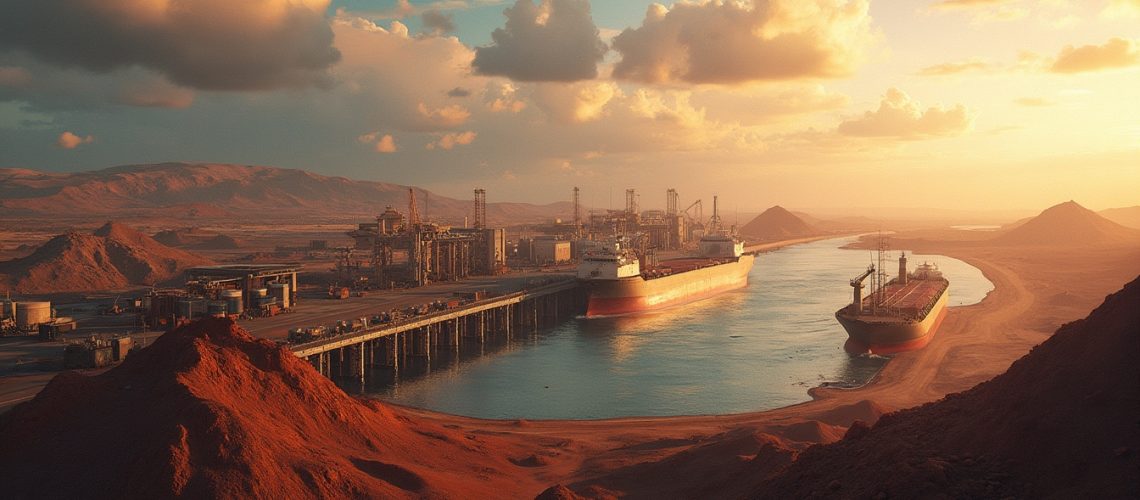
column 200, row 424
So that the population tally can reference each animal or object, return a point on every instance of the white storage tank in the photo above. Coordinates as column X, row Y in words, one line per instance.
column 233, row 300
column 31, row 314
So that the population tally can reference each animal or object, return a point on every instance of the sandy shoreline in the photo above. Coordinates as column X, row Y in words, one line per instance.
column 1034, row 292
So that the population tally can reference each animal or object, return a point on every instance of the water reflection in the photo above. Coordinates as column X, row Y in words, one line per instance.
column 751, row 349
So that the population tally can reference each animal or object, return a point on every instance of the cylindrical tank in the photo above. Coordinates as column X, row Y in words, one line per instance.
column 280, row 291
column 216, row 308
column 233, row 301
column 9, row 310
column 191, row 308
column 31, row 314
column 260, row 292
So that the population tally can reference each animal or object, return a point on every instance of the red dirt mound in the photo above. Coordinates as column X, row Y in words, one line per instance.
column 208, row 411
column 1062, row 422
column 114, row 257
column 776, row 224
column 1068, row 224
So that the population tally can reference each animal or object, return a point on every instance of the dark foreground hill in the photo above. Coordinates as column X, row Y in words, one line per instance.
column 1063, row 421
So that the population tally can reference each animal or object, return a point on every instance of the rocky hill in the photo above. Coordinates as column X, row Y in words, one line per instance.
column 1067, row 224
column 113, row 257
column 208, row 411
column 221, row 191
column 777, row 224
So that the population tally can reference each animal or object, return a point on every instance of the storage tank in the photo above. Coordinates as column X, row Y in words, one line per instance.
column 216, row 308
column 233, row 301
column 31, row 314
column 191, row 308
column 9, row 309
column 280, row 291
column 260, row 292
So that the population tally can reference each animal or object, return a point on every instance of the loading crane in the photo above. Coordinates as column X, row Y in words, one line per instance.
column 857, row 292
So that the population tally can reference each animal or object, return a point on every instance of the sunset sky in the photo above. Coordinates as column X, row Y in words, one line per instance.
column 958, row 104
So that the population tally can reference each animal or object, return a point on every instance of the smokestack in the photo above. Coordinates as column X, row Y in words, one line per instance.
column 857, row 300
column 902, row 269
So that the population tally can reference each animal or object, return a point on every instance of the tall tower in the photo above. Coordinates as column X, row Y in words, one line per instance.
column 902, row 269
column 577, row 215
column 630, row 201
column 413, row 210
column 714, row 222
column 671, row 201
column 480, row 208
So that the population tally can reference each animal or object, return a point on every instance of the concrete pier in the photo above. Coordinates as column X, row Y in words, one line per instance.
column 392, row 344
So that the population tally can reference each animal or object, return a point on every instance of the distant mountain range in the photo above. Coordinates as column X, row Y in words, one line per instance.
column 191, row 190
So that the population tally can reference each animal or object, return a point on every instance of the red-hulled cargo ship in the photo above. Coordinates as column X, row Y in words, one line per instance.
column 617, row 285
column 901, row 315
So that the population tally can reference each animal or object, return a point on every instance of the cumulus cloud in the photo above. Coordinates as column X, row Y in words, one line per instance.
column 437, row 23
column 1116, row 53
column 205, row 44
column 554, row 41
column 449, row 116
column 577, row 103
column 973, row 66
column 899, row 116
column 449, row 141
column 382, row 143
column 393, row 81
column 503, row 97
column 735, row 42
column 68, row 140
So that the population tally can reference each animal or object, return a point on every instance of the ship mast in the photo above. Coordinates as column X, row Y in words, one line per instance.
column 880, row 279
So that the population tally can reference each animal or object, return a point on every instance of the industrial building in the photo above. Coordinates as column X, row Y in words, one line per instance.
column 409, row 252
column 226, row 290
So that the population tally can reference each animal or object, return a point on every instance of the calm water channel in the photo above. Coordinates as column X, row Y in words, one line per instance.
column 758, row 348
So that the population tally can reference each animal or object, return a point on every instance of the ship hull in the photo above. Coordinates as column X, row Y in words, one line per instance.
column 636, row 294
column 879, row 335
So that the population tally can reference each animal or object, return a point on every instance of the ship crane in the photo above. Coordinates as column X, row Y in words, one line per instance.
column 857, row 290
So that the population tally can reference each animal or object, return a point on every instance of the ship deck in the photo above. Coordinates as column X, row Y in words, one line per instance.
column 914, row 295
column 679, row 265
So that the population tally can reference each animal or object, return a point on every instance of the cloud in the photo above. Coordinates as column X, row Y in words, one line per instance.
column 577, row 103
column 736, row 42
column 900, row 117
column 397, row 82
column 770, row 105
column 1115, row 53
column 437, row 23
column 68, row 140
column 973, row 66
column 1122, row 9
column 503, row 97
column 449, row 116
column 1033, row 102
column 449, row 141
column 458, row 92
column 382, row 143
column 554, row 41
column 206, row 44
